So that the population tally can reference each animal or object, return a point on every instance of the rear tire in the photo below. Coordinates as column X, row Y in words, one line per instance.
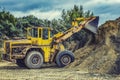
column 20, row 62
column 34, row 60
column 64, row 58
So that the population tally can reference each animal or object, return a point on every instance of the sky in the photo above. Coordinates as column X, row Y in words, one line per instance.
column 50, row 9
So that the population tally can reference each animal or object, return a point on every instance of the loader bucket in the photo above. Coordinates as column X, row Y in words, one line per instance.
column 92, row 24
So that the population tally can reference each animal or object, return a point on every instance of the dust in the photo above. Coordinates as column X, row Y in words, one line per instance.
column 103, row 55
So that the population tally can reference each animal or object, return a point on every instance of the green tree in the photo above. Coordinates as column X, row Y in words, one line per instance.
column 7, row 23
column 11, row 26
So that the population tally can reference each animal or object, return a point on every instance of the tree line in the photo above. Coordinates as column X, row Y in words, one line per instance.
column 11, row 26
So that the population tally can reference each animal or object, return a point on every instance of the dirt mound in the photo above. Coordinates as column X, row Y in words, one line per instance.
column 102, row 56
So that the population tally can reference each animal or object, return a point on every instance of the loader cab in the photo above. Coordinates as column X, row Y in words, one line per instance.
column 39, row 35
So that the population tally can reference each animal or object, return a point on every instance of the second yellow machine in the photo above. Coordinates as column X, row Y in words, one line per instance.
column 41, row 47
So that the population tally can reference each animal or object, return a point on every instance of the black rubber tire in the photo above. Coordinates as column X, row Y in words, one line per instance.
column 20, row 62
column 34, row 60
column 62, row 56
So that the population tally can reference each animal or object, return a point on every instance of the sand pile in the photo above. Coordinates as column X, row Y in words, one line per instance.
column 102, row 56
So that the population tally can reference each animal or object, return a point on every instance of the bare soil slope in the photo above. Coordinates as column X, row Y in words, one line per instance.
column 103, row 55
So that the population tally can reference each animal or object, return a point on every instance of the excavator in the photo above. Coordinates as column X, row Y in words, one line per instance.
column 41, row 47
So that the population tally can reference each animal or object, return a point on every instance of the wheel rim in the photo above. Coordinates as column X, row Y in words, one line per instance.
column 35, row 59
column 65, row 59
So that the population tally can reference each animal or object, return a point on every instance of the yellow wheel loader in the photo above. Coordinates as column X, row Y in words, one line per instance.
column 41, row 47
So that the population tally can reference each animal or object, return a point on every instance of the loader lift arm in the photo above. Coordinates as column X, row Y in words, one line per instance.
column 90, row 24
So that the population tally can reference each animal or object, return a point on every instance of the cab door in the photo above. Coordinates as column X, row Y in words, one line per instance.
column 44, row 34
column 44, row 42
column 32, row 34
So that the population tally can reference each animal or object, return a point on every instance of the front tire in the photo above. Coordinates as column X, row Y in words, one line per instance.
column 64, row 58
column 34, row 60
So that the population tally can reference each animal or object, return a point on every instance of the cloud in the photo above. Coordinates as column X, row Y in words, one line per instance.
column 38, row 13
column 25, row 5
column 107, row 16
column 105, row 9
column 49, row 9
column 101, row 2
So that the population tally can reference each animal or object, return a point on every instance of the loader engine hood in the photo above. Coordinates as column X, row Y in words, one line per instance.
column 19, row 42
column 15, row 46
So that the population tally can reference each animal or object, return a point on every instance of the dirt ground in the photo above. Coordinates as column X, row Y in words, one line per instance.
column 10, row 71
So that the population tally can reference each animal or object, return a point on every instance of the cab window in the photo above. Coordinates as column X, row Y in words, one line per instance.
column 45, row 34
column 39, row 33
column 33, row 32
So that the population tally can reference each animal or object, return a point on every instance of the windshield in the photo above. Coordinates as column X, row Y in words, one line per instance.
column 33, row 32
